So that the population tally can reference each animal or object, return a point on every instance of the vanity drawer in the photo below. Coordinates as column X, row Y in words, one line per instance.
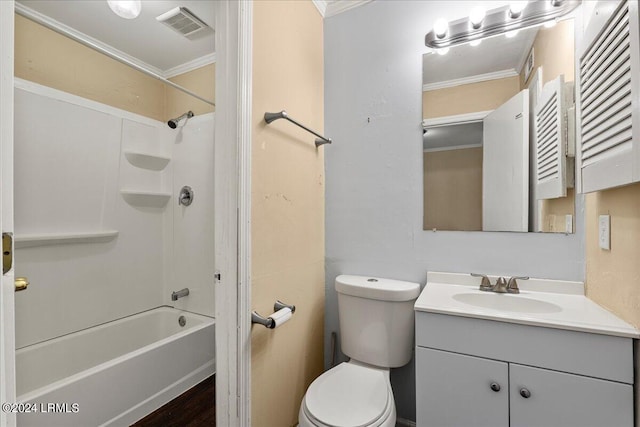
column 595, row 355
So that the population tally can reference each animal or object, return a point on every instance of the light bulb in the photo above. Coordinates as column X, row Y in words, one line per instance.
column 511, row 34
column 516, row 8
column 475, row 42
column 476, row 16
column 127, row 9
column 443, row 51
column 440, row 28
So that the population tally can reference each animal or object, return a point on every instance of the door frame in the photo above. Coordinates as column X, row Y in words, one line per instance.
column 7, row 306
column 234, row 20
column 232, row 217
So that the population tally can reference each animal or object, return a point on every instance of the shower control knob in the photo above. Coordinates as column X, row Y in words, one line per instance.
column 495, row 387
column 186, row 196
column 525, row 393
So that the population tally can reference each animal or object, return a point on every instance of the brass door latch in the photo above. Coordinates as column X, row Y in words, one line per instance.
column 7, row 252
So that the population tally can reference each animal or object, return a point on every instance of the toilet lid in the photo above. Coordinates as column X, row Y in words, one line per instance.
column 348, row 395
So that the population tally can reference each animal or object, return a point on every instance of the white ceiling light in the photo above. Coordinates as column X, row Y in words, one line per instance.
column 475, row 42
column 127, row 9
column 550, row 24
column 476, row 16
column 440, row 28
column 443, row 51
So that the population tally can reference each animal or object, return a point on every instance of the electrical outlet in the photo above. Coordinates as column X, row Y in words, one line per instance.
column 604, row 232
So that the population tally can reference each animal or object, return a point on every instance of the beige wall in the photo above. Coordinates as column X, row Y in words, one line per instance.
column 613, row 277
column 554, row 52
column 50, row 59
column 200, row 81
column 469, row 98
column 287, row 207
column 453, row 189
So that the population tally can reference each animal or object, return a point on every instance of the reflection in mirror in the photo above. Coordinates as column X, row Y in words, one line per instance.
column 483, row 161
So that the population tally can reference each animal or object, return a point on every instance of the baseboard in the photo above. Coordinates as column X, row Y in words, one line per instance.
column 163, row 397
column 403, row 422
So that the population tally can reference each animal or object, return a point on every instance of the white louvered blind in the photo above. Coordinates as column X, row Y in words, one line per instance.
column 607, row 89
column 551, row 141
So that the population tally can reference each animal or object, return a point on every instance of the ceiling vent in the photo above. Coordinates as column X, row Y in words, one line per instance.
column 180, row 19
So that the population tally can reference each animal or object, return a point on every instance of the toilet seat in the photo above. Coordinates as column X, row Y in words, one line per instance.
column 349, row 395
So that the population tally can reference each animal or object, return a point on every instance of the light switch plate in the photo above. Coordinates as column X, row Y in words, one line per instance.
column 568, row 223
column 604, row 232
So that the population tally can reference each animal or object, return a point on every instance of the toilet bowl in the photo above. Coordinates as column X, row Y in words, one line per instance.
column 349, row 395
column 376, row 332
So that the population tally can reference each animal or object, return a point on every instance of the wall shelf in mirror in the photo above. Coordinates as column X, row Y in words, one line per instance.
column 154, row 162
column 146, row 198
column 48, row 239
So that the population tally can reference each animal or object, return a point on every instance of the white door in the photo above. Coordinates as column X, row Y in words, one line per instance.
column 505, row 166
column 7, row 329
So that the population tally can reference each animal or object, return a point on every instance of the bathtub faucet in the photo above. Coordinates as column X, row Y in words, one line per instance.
column 179, row 294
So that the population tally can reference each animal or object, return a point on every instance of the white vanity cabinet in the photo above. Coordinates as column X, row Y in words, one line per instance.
column 486, row 373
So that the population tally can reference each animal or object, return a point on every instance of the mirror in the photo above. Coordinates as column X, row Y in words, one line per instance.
column 480, row 161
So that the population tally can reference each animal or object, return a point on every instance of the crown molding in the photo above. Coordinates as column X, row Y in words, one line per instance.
column 331, row 8
column 64, row 29
column 471, row 79
column 190, row 66
column 321, row 5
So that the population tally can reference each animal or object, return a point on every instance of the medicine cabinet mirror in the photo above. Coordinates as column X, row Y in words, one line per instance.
column 498, row 133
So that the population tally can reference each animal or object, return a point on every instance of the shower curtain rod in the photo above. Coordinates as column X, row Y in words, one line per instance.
column 66, row 31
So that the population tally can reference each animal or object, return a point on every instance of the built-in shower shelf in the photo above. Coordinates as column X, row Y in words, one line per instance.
column 146, row 198
column 146, row 160
column 46, row 239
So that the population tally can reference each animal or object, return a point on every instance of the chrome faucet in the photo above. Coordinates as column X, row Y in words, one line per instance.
column 179, row 294
column 502, row 286
column 512, row 285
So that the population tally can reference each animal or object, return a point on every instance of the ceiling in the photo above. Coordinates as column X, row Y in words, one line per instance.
column 493, row 55
column 143, row 38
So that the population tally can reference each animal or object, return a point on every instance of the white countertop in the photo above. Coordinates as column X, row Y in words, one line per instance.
column 548, row 303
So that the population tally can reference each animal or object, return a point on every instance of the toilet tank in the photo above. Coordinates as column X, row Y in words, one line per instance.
column 376, row 319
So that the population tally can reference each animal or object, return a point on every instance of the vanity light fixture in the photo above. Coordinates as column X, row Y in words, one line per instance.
column 440, row 28
column 518, row 15
column 516, row 8
column 127, row 9
column 476, row 16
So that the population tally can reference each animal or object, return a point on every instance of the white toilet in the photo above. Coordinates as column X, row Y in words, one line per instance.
column 376, row 329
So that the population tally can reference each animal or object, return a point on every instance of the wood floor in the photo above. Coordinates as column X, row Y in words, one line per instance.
column 194, row 408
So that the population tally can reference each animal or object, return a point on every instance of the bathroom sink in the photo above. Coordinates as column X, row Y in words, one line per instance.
column 507, row 302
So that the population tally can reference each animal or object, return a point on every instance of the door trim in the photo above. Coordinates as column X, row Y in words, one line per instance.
column 233, row 212
column 7, row 308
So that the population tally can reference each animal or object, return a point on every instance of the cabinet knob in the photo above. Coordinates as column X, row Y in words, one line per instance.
column 495, row 387
column 525, row 393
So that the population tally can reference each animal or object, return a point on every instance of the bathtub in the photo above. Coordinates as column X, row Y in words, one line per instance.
column 116, row 373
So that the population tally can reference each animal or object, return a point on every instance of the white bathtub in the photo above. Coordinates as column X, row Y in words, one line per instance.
column 114, row 373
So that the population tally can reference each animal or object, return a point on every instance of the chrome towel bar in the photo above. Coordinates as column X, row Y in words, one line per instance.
column 269, row 117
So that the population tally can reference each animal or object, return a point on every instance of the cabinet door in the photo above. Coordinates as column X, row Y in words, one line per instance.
column 453, row 390
column 567, row 400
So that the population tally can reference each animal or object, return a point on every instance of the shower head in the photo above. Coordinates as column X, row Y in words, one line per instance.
column 173, row 123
